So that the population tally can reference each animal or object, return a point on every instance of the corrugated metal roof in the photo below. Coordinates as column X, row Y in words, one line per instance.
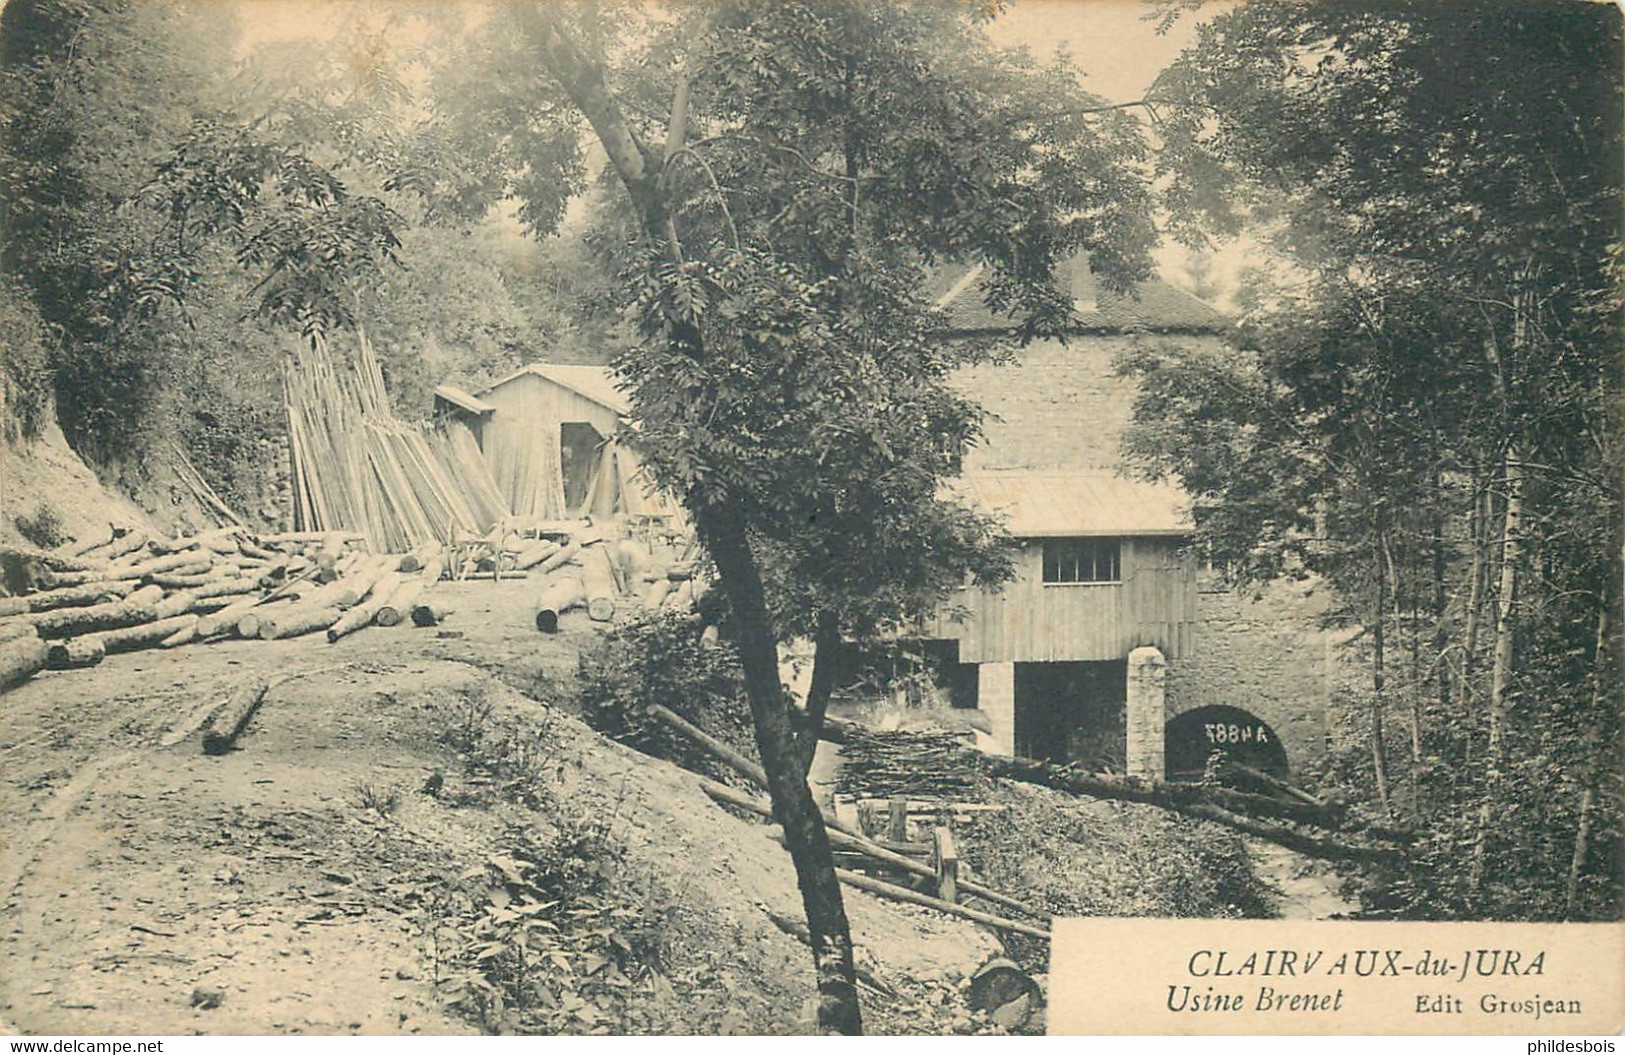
column 597, row 383
column 1050, row 503
column 1152, row 305
column 458, row 398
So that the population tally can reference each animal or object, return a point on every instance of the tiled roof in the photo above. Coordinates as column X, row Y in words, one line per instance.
column 1152, row 305
column 597, row 383
column 1050, row 504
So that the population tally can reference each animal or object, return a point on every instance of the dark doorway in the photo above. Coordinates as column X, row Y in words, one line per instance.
column 579, row 445
column 1072, row 712
column 957, row 681
column 1192, row 737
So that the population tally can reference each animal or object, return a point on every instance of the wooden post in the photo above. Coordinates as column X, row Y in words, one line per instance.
column 945, row 856
column 897, row 820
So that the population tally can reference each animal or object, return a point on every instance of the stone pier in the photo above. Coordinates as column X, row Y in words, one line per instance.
column 1146, row 713
column 996, row 696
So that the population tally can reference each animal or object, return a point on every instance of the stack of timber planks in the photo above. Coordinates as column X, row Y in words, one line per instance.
column 357, row 467
column 135, row 591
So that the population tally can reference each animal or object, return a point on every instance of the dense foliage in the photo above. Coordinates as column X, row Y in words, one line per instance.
column 1422, row 405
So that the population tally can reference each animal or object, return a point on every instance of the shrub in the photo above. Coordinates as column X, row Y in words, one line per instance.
column 44, row 529
column 659, row 660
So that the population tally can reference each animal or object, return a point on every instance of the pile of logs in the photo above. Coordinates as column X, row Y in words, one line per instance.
column 582, row 568
column 877, row 764
column 134, row 591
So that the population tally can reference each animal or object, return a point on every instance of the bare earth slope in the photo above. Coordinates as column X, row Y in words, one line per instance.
column 288, row 886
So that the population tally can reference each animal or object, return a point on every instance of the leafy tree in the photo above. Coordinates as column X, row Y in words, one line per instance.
column 1424, row 407
column 789, row 171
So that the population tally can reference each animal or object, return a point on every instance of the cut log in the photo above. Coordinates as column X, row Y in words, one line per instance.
column 75, row 652
column 55, row 580
column 146, row 595
column 393, row 610
column 46, row 559
column 131, row 638
column 655, row 595
column 124, row 545
column 175, row 604
column 84, row 546
column 419, row 557
column 430, row 613
column 248, row 549
column 562, row 556
column 226, row 618
column 297, row 621
column 598, row 580
column 20, row 659
column 161, row 545
column 560, row 596
column 226, row 587
column 182, row 579
column 386, row 585
column 157, row 565
column 356, row 618
column 232, row 718
column 535, row 554
column 682, row 571
column 13, row 606
column 741, row 765
column 77, row 596
column 10, row 628
column 69, row 622
column 185, row 635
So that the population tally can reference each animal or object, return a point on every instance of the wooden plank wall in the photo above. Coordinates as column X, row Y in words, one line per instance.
column 1030, row 622
column 521, row 440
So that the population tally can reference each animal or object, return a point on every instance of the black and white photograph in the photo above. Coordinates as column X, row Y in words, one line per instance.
column 749, row 517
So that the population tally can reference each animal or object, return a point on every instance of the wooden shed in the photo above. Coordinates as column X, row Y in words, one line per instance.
column 546, row 435
column 552, row 436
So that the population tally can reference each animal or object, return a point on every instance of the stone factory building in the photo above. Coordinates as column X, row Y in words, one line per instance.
column 1114, row 647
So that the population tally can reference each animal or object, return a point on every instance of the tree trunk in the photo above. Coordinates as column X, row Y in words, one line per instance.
column 827, row 648
column 1582, row 839
column 1379, row 751
column 1506, row 597
column 722, row 528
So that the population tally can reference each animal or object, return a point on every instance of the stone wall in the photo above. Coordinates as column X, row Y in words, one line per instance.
column 1267, row 656
column 1058, row 405
column 1062, row 405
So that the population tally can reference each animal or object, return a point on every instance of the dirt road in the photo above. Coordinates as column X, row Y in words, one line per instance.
column 289, row 886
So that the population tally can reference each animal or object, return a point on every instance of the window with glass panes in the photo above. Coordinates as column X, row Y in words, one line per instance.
column 1083, row 560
